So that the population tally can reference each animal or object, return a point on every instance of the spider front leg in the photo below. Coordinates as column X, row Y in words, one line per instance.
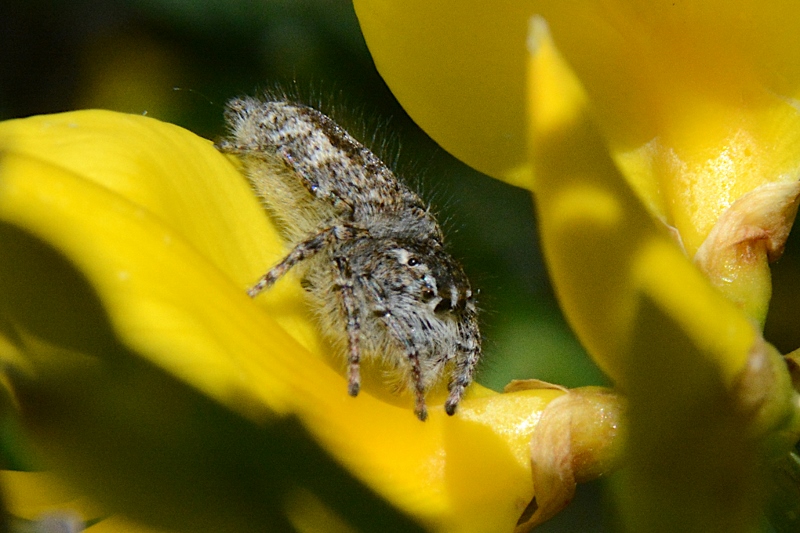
column 412, row 353
column 302, row 251
column 344, row 284
column 466, row 361
column 416, row 371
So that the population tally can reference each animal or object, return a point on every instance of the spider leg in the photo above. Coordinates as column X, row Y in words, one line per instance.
column 466, row 362
column 419, row 405
column 345, row 283
column 412, row 353
column 302, row 251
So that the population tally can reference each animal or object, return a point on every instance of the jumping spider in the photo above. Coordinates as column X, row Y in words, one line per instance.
column 368, row 250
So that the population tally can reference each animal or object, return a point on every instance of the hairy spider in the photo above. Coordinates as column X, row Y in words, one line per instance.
column 369, row 251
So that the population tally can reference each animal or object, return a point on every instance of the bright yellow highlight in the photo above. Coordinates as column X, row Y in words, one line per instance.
column 149, row 238
column 692, row 187
column 551, row 114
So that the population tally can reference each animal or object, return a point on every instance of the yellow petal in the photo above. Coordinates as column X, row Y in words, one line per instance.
column 696, row 101
column 100, row 186
column 127, row 245
column 602, row 246
column 697, row 373
column 699, row 105
column 458, row 70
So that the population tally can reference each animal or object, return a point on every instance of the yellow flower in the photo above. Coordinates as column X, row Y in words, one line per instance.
column 690, row 90
column 683, row 94
column 662, row 143
column 147, row 379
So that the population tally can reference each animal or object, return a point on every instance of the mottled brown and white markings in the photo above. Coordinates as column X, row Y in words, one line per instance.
column 368, row 250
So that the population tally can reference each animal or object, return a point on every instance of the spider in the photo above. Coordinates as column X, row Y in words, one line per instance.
column 369, row 252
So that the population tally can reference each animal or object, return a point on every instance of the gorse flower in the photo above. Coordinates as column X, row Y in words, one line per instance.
column 660, row 141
